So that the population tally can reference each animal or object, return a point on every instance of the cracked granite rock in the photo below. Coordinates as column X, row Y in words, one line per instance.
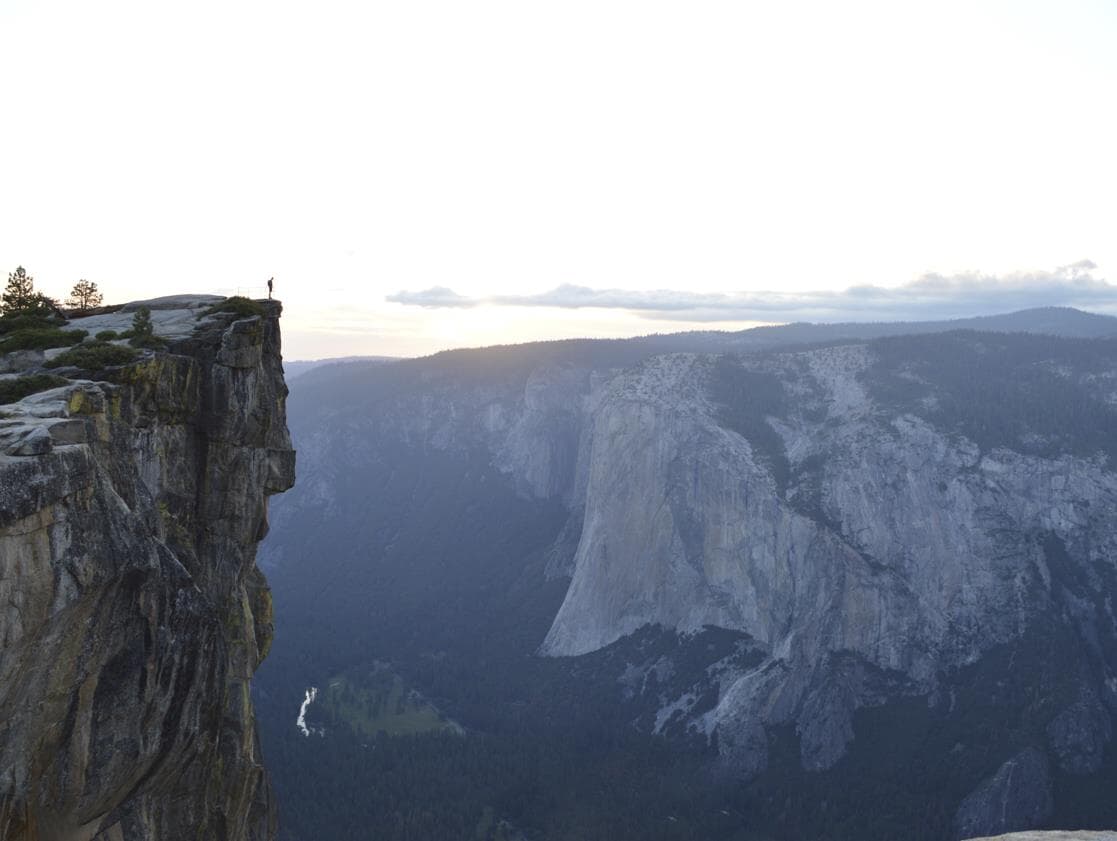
column 132, row 614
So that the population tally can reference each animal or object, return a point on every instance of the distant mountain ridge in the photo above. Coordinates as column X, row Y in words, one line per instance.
column 1055, row 321
column 297, row 367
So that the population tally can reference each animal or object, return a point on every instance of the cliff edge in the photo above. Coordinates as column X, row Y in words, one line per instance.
column 132, row 613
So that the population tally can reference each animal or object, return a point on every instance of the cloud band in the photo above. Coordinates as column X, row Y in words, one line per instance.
column 930, row 296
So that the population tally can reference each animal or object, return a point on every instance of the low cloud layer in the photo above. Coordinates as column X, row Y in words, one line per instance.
column 435, row 297
column 931, row 296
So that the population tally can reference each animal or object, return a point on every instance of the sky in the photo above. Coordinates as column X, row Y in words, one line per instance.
column 422, row 175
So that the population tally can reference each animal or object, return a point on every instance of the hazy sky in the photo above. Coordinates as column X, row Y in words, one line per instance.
column 504, row 171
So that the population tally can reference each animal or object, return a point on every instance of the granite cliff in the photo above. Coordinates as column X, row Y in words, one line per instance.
column 909, row 540
column 870, row 532
column 132, row 614
column 873, row 537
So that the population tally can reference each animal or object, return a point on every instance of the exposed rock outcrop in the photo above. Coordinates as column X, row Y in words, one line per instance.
column 132, row 614
column 892, row 552
column 1018, row 796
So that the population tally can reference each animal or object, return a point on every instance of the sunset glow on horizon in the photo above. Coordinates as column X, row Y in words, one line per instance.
column 506, row 172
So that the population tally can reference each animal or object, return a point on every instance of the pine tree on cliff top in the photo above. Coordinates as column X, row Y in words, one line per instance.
column 20, row 297
column 84, row 296
column 19, row 294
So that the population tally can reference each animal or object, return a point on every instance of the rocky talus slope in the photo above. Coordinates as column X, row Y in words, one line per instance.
column 132, row 614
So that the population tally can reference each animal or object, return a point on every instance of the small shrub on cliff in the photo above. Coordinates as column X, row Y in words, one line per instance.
column 10, row 322
column 93, row 356
column 142, row 328
column 142, row 333
column 38, row 338
column 107, row 336
column 237, row 305
column 19, row 387
column 151, row 342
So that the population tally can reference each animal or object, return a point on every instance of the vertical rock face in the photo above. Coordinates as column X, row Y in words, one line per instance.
column 1018, row 796
column 884, row 554
column 132, row 614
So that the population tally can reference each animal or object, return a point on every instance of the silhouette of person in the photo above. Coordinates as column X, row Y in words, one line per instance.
column 270, row 280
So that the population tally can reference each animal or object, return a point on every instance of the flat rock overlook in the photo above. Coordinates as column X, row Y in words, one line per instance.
column 132, row 614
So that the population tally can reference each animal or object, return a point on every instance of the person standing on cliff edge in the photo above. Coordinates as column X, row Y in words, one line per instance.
column 270, row 280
